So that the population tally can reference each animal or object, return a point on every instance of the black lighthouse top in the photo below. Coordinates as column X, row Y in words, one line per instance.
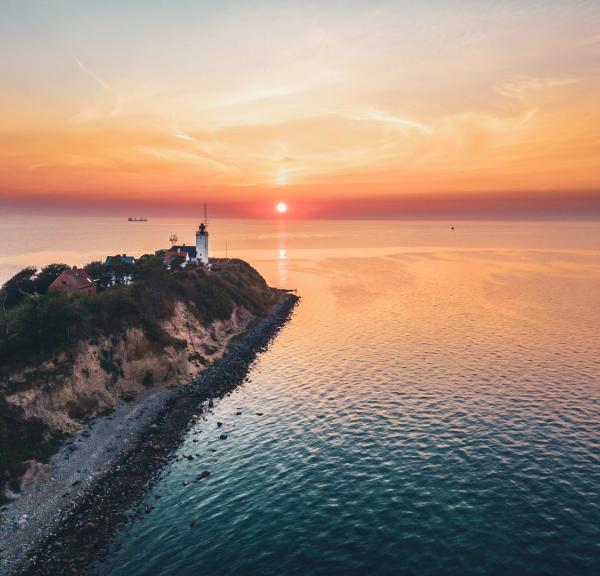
column 203, row 228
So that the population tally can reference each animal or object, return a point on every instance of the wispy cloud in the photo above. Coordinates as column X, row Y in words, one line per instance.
column 258, row 93
column 279, row 83
column 105, row 105
column 183, row 136
column 591, row 41
column 193, row 154
column 523, row 88
column 484, row 121
column 91, row 74
column 378, row 116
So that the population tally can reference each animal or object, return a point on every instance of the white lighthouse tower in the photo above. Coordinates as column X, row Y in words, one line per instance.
column 202, row 241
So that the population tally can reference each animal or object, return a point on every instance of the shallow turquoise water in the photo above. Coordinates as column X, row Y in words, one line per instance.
column 432, row 408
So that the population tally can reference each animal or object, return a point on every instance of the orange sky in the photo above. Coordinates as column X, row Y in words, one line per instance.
column 322, row 105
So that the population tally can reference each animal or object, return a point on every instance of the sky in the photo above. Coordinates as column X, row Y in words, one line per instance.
column 338, row 108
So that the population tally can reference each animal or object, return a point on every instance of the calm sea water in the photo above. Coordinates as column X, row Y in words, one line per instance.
column 432, row 408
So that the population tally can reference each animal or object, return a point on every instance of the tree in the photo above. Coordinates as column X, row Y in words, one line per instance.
column 178, row 262
column 100, row 274
column 21, row 284
column 119, row 270
column 4, row 325
column 47, row 275
column 151, row 269
column 153, row 284
column 46, row 320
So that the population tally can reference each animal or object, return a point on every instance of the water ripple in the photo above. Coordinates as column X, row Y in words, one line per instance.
column 436, row 416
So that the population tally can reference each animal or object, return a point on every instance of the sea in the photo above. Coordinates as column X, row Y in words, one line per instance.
column 432, row 407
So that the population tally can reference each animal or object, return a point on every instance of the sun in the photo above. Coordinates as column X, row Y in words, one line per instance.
column 281, row 207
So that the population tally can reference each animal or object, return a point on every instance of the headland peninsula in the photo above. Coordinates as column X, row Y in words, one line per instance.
column 103, row 369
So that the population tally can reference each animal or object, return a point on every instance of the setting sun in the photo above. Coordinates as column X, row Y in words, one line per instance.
column 419, row 318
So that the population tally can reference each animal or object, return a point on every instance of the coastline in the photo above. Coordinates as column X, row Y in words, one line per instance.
column 68, row 522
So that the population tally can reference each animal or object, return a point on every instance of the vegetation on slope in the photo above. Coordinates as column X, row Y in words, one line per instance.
column 21, row 440
column 37, row 324
column 34, row 322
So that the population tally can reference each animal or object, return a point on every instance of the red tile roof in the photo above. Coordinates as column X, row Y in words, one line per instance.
column 75, row 280
column 170, row 254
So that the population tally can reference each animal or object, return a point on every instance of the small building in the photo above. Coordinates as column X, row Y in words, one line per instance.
column 191, row 250
column 75, row 281
column 171, row 256
column 123, row 258
column 188, row 253
column 197, row 254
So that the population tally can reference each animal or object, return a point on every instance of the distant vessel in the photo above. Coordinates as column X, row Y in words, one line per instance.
column 133, row 219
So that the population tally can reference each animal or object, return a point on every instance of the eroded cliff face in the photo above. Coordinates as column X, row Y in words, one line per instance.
column 103, row 372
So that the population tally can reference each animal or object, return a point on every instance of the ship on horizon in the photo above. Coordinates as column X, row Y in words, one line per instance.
column 136, row 219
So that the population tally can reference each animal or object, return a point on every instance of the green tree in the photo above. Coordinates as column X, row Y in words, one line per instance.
column 21, row 284
column 112, row 310
column 47, row 320
column 4, row 320
column 154, row 288
column 100, row 274
column 47, row 275
column 119, row 270
column 178, row 262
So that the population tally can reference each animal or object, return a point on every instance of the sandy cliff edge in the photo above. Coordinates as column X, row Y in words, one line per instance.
column 113, row 457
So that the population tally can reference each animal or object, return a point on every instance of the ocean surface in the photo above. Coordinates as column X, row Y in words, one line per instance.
column 432, row 408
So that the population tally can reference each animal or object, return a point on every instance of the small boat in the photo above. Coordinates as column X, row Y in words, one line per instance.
column 133, row 219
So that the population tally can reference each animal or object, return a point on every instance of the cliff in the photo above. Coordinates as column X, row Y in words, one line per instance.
column 67, row 390
column 49, row 395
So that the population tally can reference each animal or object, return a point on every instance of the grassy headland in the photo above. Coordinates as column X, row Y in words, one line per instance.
column 39, row 327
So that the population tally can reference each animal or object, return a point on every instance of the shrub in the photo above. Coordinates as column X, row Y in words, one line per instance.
column 40, row 322
column 100, row 274
column 22, row 439
column 16, row 289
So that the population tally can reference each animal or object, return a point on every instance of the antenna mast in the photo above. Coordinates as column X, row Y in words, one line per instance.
column 206, row 214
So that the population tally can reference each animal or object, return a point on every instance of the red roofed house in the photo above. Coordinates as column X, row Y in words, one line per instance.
column 171, row 255
column 75, row 281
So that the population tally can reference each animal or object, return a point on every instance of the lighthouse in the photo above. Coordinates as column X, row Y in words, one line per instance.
column 202, row 242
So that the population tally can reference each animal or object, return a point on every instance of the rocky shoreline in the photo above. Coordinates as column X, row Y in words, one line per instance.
column 70, row 536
